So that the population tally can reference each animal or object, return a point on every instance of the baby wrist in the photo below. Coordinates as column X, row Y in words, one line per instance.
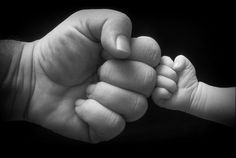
column 198, row 101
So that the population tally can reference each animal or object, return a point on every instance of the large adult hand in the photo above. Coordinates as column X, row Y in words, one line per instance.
column 81, row 94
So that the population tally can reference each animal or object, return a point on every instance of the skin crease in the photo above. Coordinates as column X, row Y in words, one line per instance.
column 166, row 94
column 177, row 88
column 66, row 62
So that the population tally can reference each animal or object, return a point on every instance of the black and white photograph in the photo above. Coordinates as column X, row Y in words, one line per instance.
column 118, row 74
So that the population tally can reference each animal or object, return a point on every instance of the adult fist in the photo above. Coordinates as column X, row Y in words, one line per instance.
column 81, row 94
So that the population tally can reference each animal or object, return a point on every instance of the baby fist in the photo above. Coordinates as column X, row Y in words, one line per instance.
column 176, row 84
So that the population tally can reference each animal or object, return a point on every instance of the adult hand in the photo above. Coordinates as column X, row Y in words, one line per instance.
column 81, row 94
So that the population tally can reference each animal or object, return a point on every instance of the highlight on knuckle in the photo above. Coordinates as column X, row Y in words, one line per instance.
column 116, row 123
column 149, row 79
column 125, row 19
column 150, row 76
column 154, row 53
column 140, row 107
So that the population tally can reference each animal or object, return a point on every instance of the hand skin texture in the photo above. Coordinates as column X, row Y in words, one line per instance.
column 86, row 77
column 177, row 88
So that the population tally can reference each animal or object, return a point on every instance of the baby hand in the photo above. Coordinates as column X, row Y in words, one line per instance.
column 176, row 84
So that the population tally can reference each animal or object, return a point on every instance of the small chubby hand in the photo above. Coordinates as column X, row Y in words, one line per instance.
column 176, row 84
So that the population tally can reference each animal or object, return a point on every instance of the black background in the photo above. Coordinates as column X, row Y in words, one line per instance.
column 202, row 32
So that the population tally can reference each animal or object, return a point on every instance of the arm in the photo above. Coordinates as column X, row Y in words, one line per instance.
column 179, row 89
column 16, row 78
column 214, row 103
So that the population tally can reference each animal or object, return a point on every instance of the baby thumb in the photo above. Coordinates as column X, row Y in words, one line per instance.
column 180, row 63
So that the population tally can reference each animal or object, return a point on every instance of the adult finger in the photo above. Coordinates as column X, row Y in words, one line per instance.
column 103, row 123
column 128, row 104
column 143, row 49
column 146, row 50
column 110, row 27
column 130, row 75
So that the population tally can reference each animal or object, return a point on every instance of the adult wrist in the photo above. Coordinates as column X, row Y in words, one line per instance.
column 18, row 83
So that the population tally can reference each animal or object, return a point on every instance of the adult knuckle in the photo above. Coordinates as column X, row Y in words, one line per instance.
column 154, row 53
column 124, row 18
column 116, row 123
column 149, row 76
column 138, row 108
column 149, row 79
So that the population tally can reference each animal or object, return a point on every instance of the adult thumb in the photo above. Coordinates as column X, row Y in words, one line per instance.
column 109, row 27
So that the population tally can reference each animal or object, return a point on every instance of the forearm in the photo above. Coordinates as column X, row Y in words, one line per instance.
column 16, row 78
column 215, row 104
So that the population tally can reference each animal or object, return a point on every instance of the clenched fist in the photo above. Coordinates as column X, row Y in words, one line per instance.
column 89, row 77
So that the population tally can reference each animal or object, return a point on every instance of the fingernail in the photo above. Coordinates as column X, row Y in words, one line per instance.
column 123, row 44
column 90, row 89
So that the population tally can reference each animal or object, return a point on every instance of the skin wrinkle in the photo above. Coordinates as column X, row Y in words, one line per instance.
column 46, row 59
column 194, row 99
column 152, row 55
column 15, row 81
column 161, row 70
column 146, row 77
column 89, row 30
column 40, row 45
column 136, row 103
column 10, row 78
column 91, row 37
column 9, row 65
column 32, row 85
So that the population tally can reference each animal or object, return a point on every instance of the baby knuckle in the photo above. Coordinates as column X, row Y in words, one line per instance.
column 174, row 76
column 161, row 91
column 158, row 68
column 173, row 86
column 161, row 69
column 159, row 79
